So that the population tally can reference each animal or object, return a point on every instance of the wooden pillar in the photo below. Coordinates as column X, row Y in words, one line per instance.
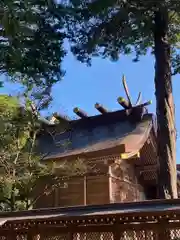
column 70, row 236
column 85, row 190
column 56, row 195
column 163, row 232
column 116, row 235
column 11, row 235
column 116, row 232
column 111, row 199
column 30, row 236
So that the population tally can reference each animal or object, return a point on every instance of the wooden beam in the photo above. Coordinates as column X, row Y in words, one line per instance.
column 100, row 108
column 126, row 90
column 130, row 155
column 53, row 120
column 85, row 190
column 80, row 113
column 145, row 104
column 60, row 117
column 124, row 103
column 138, row 99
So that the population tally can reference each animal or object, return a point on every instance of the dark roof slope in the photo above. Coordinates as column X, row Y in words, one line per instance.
column 155, row 207
column 96, row 133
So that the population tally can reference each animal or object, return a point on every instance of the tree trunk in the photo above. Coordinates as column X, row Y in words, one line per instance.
column 165, row 108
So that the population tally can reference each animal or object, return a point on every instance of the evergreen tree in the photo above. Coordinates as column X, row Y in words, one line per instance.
column 31, row 40
column 24, row 177
column 109, row 28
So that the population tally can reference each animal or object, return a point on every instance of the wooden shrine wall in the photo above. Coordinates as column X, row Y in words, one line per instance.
column 124, row 185
column 111, row 183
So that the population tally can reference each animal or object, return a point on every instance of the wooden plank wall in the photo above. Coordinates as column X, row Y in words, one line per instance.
column 119, row 185
column 124, row 183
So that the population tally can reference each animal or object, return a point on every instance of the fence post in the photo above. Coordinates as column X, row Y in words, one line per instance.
column 163, row 232
column 70, row 236
column 116, row 235
column 11, row 235
column 116, row 232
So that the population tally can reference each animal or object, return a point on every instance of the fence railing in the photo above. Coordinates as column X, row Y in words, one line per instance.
column 149, row 220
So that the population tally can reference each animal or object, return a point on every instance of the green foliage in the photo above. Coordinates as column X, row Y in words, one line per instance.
column 31, row 40
column 8, row 109
column 109, row 28
column 22, row 170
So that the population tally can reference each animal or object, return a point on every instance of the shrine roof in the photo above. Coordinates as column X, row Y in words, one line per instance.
column 154, row 208
column 96, row 133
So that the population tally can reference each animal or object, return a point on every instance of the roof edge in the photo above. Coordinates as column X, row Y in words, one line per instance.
column 110, row 207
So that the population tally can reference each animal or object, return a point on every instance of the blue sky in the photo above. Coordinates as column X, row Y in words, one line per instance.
column 83, row 86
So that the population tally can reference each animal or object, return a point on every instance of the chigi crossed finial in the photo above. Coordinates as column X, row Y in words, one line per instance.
column 127, row 104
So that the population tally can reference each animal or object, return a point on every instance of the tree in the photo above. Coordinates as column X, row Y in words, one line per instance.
column 31, row 41
column 22, row 170
column 110, row 28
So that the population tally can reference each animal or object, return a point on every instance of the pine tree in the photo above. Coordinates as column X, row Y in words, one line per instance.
column 109, row 28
